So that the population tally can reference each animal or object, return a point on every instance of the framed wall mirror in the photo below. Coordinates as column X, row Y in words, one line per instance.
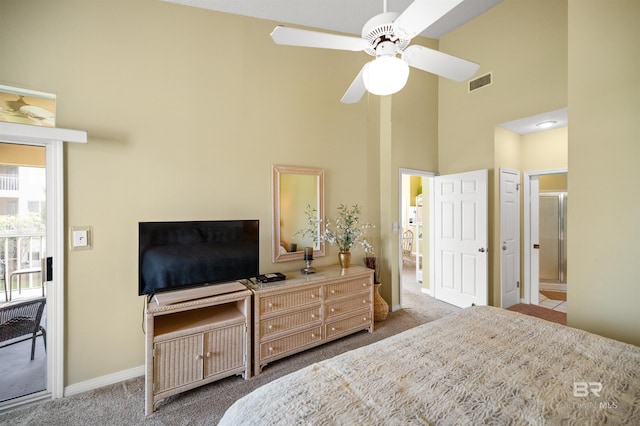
column 298, row 193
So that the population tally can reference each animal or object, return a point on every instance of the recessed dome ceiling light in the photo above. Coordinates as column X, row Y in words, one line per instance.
column 546, row 124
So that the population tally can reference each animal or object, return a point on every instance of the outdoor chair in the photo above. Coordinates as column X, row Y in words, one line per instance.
column 22, row 319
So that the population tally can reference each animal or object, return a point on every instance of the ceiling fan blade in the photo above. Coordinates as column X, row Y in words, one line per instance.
column 356, row 90
column 297, row 37
column 420, row 15
column 439, row 63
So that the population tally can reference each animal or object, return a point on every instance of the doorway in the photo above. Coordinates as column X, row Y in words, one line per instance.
column 414, row 232
column 546, row 204
column 553, row 242
column 23, row 241
column 445, row 218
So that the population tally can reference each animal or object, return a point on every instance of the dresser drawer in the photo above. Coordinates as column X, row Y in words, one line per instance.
column 358, row 321
column 289, row 322
column 290, row 343
column 346, row 306
column 289, row 300
column 347, row 287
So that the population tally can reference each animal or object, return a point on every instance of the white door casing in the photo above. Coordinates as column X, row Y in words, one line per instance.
column 461, row 249
column 52, row 139
column 532, row 243
column 509, row 237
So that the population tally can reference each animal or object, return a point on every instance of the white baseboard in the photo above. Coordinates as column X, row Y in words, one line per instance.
column 103, row 381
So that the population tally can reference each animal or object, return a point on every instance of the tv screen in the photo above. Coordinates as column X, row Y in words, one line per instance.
column 178, row 255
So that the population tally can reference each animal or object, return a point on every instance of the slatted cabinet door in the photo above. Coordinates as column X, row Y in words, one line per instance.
column 177, row 362
column 225, row 350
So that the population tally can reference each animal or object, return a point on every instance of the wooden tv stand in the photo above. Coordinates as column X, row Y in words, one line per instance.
column 304, row 311
column 190, row 343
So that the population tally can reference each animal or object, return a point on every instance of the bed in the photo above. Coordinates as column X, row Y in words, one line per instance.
column 483, row 365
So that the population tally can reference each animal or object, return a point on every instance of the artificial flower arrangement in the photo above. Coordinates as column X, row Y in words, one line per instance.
column 346, row 231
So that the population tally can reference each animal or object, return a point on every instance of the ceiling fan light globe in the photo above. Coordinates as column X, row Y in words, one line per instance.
column 385, row 75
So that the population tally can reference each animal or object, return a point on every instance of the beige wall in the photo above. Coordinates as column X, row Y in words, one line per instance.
column 524, row 45
column 546, row 150
column 556, row 182
column 604, row 107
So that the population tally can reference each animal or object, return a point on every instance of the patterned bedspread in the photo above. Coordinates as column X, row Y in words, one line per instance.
column 483, row 365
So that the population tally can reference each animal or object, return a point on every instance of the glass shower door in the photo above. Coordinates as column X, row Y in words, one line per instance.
column 553, row 246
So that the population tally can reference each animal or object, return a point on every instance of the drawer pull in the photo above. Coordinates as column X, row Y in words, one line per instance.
column 271, row 327
column 333, row 310
column 270, row 348
column 333, row 292
column 271, row 305
column 313, row 296
column 209, row 354
column 364, row 301
column 199, row 358
column 333, row 329
column 364, row 319
column 313, row 335
column 313, row 316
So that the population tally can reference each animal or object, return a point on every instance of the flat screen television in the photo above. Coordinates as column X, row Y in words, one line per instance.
column 180, row 255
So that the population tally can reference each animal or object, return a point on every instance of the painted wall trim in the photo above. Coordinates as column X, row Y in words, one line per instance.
column 35, row 134
column 100, row 382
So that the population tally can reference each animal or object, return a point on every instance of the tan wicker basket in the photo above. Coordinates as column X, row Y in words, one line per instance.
column 380, row 306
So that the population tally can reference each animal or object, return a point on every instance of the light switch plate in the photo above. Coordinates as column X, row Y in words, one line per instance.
column 81, row 238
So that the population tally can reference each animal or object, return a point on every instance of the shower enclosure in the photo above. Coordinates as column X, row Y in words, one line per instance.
column 553, row 238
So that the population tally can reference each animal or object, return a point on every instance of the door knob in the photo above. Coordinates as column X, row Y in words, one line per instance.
column 481, row 250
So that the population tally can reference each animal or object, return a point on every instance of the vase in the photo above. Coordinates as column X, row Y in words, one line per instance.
column 345, row 259
column 380, row 306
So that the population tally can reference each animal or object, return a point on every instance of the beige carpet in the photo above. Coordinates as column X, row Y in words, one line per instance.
column 123, row 403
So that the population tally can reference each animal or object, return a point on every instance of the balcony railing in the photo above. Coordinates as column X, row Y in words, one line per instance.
column 21, row 252
column 9, row 183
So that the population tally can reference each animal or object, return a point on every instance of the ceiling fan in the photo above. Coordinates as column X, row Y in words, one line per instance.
column 385, row 36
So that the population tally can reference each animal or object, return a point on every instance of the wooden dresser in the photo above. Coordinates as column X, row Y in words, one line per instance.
column 308, row 310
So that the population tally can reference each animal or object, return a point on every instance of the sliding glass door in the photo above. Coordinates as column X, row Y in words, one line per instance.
column 23, row 243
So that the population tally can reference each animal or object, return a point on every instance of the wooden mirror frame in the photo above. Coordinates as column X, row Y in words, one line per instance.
column 277, row 172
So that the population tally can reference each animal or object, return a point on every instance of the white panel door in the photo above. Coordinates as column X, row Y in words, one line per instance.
column 510, row 237
column 460, row 255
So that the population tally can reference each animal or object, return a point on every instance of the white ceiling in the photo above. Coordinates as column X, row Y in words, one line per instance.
column 345, row 16
column 527, row 125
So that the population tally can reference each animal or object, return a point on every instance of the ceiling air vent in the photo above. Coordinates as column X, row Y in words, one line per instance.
column 481, row 81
